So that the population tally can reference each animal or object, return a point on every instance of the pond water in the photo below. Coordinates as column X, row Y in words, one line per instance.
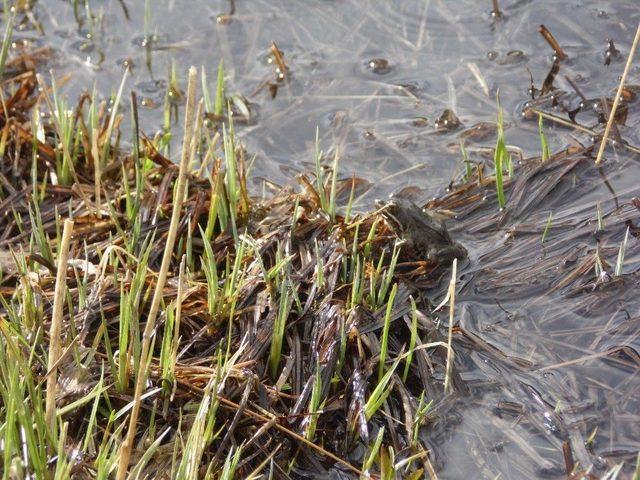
column 374, row 77
column 440, row 55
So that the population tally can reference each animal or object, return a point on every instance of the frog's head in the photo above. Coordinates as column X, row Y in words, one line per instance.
column 398, row 213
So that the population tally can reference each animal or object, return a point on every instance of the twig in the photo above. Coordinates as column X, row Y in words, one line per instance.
column 127, row 445
column 56, row 324
column 616, row 101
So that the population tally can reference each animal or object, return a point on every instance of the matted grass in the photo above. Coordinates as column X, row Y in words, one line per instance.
column 265, row 358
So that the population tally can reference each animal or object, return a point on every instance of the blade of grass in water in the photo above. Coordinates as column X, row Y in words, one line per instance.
column 546, row 153
column 465, row 160
column 546, row 228
column 500, row 158
column 621, row 253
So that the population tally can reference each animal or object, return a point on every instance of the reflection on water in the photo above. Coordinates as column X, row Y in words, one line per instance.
column 394, row 87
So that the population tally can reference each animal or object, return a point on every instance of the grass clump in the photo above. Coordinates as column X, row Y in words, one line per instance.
column 193, row 315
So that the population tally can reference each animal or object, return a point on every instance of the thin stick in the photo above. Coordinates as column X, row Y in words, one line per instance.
column 575, row 87
column 127, row 445
column 176, row 326
column 616, row 101
column 56, row 324
column 452, row 304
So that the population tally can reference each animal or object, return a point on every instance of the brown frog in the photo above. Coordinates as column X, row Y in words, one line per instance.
column 424, row 235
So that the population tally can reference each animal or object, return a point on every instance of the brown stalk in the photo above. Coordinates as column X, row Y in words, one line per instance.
column 127, row 445
column 56, row 324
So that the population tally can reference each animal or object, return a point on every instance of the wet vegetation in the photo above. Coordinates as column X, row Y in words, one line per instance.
column 162, row 319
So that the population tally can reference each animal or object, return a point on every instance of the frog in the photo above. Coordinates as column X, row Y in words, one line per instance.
column 425, row 236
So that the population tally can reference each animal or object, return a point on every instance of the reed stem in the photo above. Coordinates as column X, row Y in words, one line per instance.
column 56, row 326
column 127, row 445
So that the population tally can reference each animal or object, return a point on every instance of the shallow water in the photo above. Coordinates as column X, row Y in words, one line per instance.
column 380, row 119
column 432, row 49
